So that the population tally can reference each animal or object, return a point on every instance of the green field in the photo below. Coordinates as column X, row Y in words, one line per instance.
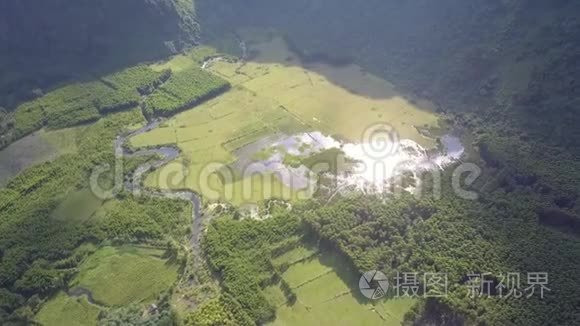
column 119, row 276
column 295, row 255
column 271, row 98
column 180, row 62
column 63, row 310
column 326, row 294
column 208, row 134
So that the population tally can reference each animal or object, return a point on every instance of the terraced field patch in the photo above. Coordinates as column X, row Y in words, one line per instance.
column 327, row 294
column 63, row 310
column 124, row 275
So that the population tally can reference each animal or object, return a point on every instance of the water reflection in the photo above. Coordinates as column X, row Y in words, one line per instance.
column 285, row 157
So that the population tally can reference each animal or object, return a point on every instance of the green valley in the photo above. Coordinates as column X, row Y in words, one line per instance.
column 307, row 162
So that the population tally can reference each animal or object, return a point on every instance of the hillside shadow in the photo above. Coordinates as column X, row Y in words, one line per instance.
column 24, row 76
column 271, row 48
column 344, row 269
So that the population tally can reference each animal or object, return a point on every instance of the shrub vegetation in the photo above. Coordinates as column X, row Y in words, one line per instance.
column 83, row 102
column 38, row 245
column 184, row 90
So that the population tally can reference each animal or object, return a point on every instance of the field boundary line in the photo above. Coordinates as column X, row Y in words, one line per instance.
column 336, row 296
column 313, row 279
column 302, row 259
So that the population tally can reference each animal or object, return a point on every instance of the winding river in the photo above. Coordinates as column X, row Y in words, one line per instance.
column 135, row 186
column 166, row 154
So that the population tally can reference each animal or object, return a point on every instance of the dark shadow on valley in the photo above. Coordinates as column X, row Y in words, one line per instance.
column 342, row 71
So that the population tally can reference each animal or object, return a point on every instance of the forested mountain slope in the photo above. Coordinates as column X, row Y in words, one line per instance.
column 45, row 42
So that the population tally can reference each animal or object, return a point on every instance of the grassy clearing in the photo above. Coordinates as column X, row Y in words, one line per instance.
column 295, row 275
column 294, row 255
column 63, row 310
column 177, row 63
column 345, row 311
column 334, row 100
column 273, row 98
column 79, row 206
column 36, row 148
column 180, row 62
column 323, row 287
column 64, row 139
column 119, row 276
column 209, row 133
